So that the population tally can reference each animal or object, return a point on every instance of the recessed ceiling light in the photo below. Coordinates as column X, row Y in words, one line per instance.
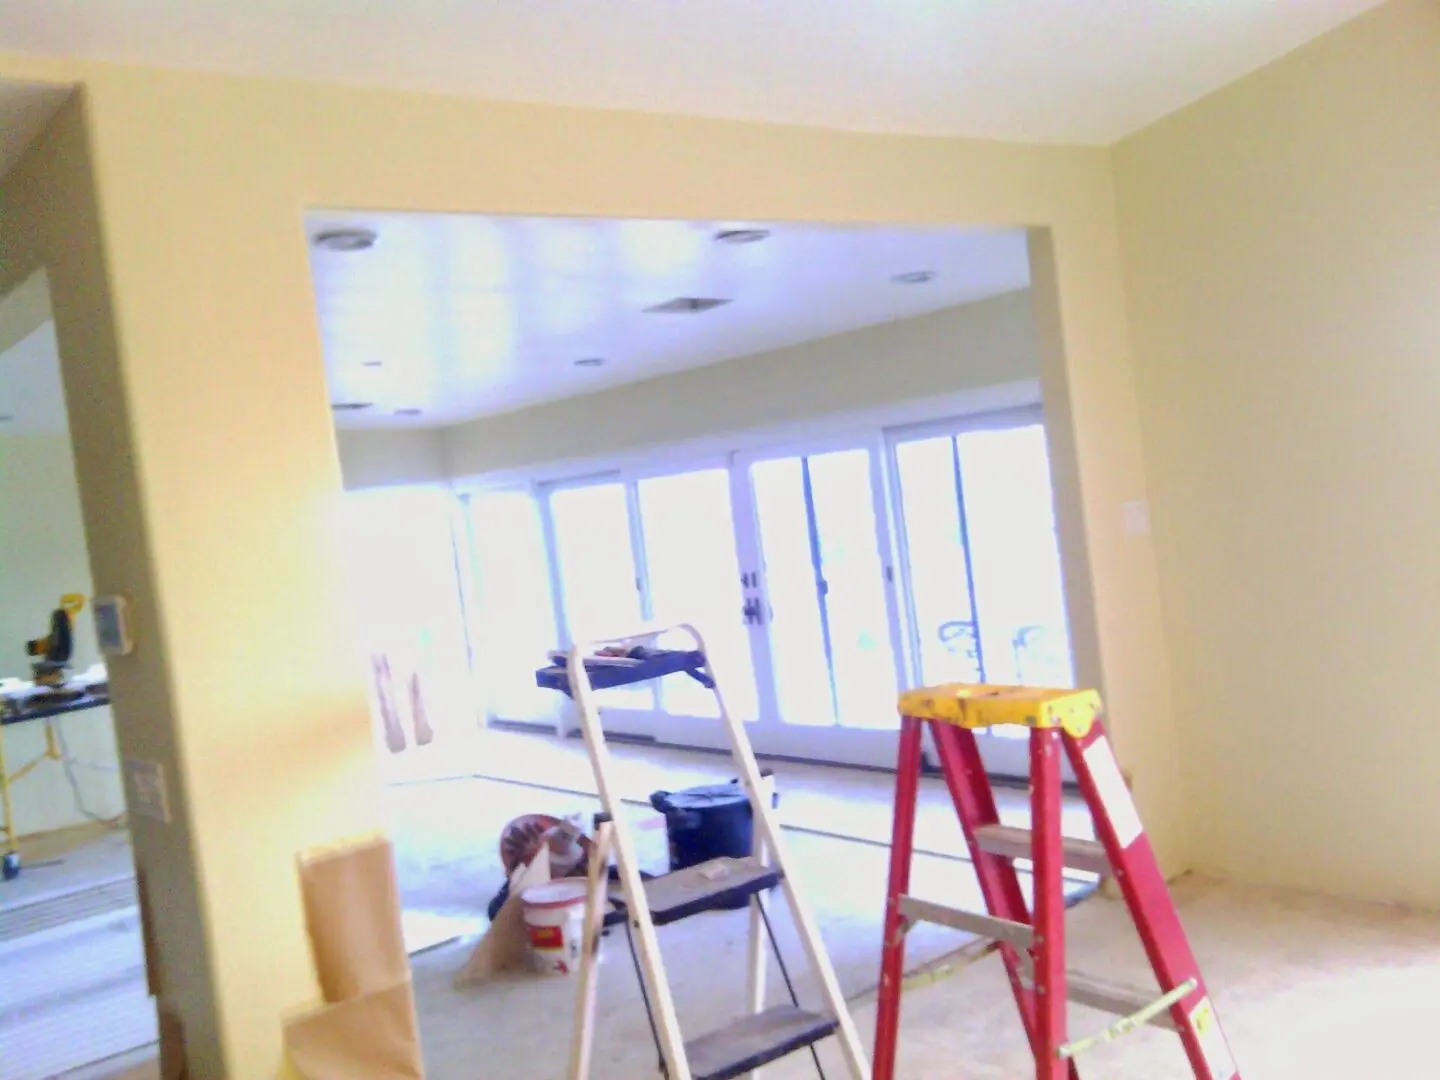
column 914, row 277
column 373, row 363
column 407, row 412
column 345, row 239
column 741, row 236
column 685, row 305
column 351, row 406
column 590, row 361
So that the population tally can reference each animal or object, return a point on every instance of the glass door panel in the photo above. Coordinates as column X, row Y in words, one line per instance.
column 1015, row 553
column 693, row 575
column 853, row 592
column 946, row 638
column 514, row 627
column 595, row 568
column 982, row 565
column 829, row 627
column 798, row 634
column 400, row 557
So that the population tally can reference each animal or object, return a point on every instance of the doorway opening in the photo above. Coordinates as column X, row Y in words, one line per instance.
column 824, row 446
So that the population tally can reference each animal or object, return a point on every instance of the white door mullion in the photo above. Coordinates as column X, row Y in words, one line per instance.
column 752, row 564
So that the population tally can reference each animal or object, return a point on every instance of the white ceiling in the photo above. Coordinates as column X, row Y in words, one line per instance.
column 25, row 109
column 464, row 316
column 1086, row 71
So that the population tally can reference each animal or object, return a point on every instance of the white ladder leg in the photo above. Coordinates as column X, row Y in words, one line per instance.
column 596, row 885
column 672, row 1045
column 758, row 960
column 768, row 829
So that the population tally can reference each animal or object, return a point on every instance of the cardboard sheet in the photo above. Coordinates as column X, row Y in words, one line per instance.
column 352, row 911
column 506, row 946
column 370, row 1037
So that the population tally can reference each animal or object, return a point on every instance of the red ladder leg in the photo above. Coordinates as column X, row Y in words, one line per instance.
column 1048, row 948
column 892, row 955
column 1117, row 825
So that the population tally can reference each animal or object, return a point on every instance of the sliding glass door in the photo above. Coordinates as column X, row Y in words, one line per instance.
column 982, row 561
column 687, row 529
column 400, row 560
column 825, row 576
column 825, row 611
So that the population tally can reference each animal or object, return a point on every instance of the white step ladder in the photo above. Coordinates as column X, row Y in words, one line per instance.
column 761, row 1035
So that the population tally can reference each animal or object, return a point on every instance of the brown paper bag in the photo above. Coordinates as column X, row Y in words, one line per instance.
column 370, row 1037
column 352, row 911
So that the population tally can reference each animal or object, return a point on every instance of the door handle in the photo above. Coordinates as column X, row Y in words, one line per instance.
column 755, row 612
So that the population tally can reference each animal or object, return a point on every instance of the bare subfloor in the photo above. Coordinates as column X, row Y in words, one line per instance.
column 1307, row 987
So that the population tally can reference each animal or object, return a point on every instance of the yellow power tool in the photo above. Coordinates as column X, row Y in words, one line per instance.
column 54, row 649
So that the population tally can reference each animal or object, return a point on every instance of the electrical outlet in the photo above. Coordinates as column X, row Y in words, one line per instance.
column 145, row 793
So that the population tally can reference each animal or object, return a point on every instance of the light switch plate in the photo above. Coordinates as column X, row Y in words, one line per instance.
column 145, row 790
column 112, row 625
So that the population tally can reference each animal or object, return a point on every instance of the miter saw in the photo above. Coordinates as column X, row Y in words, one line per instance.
column 52, row 668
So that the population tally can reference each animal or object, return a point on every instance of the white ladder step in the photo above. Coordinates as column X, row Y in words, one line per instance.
column 987, row 926
column 708, row 886
column 756, row 1040
column 1012, row 842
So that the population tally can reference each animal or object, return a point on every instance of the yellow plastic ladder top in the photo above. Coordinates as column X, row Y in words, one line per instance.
column 981, row 705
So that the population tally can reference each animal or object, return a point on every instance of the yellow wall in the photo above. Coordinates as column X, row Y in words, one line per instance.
column 382, row 457
column 1282, row 256
column 48, row 215
column 963, row 347
column 209, row 473
column 42, row 556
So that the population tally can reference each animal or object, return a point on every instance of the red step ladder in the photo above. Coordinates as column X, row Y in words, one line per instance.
column 1033, row 946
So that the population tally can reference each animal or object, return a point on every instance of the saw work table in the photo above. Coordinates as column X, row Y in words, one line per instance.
column 25, row 708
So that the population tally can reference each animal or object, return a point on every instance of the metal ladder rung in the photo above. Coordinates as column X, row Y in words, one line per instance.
column 1013, row 842
column 1111, row 997
column 986, row 926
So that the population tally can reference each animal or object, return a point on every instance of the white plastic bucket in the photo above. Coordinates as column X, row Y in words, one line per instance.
column 555, row 922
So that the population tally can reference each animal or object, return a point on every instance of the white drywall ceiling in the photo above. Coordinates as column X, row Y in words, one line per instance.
column 1084, row 71
column 462, row 316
